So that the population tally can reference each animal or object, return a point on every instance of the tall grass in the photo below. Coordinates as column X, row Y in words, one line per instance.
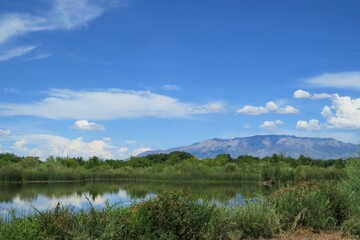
column 351, row 188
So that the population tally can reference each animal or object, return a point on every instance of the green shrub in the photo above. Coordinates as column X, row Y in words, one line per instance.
column 255, row 220
column 304, row 205
column 171, row 215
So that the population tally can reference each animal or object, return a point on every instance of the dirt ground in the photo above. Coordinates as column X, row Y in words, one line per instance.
column 309, row 235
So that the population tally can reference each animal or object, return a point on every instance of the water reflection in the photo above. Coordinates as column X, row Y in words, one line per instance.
column 42, row 196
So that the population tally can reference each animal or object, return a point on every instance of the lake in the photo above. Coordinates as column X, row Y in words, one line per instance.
column 26, row 197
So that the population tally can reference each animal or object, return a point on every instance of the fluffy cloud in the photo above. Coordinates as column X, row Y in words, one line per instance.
column 63, row 14
column 107, row 104
column 344, row 113
column 349, row 80
column 311, row 125
column 46, row 145
column 304, row 94
column 5, row 132
column 87, row 126
column 270, row 107
column 271, row 124
column 301, row 94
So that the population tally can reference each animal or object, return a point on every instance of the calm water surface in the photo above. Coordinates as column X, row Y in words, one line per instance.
column 43, row 196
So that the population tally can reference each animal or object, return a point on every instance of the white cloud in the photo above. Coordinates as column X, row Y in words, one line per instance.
column 301, row 94
column 69, row 14
column 87, row 126
column 170, row 87
column 16, row 52
column 304, row 94
column 311, row 125
column 344, row 113
column 271, row 124
column 14, row 24
column 5, row 132
column 350, row 80
column 63, row 14
column 43, row 145
column 107, row 104
column 321, row 95
column 270, row 107
column 140, row 150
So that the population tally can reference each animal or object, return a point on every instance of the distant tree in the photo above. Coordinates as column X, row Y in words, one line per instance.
column 9, row 158
column 177, row 156
column 30, row 162
column 93, row 162
column 222, row 159
column 139, row 162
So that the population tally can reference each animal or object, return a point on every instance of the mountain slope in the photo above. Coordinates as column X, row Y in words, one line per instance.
column 267, row 145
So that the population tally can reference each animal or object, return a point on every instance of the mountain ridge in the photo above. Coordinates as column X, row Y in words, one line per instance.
column 267, row 145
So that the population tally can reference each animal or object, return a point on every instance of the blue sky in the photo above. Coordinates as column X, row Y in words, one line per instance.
column 114, row 78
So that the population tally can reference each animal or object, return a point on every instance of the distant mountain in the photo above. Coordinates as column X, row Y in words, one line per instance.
column 267, row 145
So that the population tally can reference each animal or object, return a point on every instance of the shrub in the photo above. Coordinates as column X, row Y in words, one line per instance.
column 304, row 205
column 255, row 220
column 171, row 215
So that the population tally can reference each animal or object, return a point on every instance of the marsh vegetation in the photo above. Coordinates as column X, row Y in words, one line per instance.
column 310, row 194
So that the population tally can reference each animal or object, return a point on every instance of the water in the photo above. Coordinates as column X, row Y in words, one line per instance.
column 27, row 197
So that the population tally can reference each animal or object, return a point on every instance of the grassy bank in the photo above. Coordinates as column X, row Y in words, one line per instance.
column 177, row 215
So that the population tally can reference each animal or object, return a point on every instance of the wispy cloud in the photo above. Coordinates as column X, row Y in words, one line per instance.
column 39, row 57
column 170, row 87
column 63, row 14
column 5, row 132
column 107, row 104
column 85, row 125
column 15, row 24
column 69, row 14
column 10, row 90
column 16, row 52
column 270, row 107
column 349, row 80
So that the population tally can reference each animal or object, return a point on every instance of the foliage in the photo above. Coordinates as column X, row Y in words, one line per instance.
column 173, row 166
column 255, row 220
column 318, row 206
column 351, row 188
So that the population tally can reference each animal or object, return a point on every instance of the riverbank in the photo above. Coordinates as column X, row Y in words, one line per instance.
column 178, row 215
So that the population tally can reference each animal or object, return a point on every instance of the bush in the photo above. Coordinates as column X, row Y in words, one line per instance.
column 255, row 220
column 171, row 215
column 304, row 205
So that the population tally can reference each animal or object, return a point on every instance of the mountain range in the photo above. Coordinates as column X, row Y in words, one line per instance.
column 267, row 145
